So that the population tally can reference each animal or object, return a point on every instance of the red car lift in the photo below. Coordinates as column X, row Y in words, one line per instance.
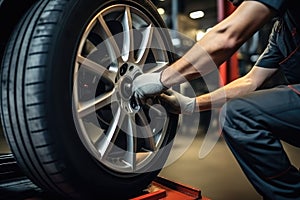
column 164, row 189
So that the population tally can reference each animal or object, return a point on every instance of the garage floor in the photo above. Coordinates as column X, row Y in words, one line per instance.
column 217, row 175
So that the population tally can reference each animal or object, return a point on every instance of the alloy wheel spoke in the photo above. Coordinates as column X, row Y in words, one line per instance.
column 130, row 156
column 110, row 42
column 105, row 143
column 145, row 45
column 128, row 45
column 99, row 102
column 146, row 131
column 159, row 67
column 109, row 76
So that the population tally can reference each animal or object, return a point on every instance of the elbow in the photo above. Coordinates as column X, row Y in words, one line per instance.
column 230, row 37
column 221, row 43
column 232, row 42
column 251, row 84
column 225, row 46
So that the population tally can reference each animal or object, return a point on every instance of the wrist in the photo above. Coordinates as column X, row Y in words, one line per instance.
column 162, row 81
column 169, row 77
column 187, row 104
column 191, row 106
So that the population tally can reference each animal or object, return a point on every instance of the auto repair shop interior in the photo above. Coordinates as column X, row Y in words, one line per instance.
column 201, row 164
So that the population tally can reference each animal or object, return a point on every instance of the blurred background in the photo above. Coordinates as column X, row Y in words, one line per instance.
column 217, row 174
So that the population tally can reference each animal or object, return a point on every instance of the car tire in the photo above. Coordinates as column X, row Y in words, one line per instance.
column 48, row 78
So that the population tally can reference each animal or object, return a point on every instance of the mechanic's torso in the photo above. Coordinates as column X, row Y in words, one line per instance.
column 288, row 42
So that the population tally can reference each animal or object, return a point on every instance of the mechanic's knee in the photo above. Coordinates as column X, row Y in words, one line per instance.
column 230, row 111
column 232, row 115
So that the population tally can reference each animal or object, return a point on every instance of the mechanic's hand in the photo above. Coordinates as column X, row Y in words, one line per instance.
column 147, row 85
column 177, row 103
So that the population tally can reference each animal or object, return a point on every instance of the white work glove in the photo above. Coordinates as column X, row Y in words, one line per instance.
column 147, row 85
column 177, row 103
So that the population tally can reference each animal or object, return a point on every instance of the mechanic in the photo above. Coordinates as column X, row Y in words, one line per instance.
column 255, row 120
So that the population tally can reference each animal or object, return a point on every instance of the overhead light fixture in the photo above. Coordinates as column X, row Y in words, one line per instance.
column 161, row 11
column 197, row 14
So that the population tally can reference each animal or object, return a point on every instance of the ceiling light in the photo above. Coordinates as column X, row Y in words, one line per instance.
column 197, row 14
column 161, row 11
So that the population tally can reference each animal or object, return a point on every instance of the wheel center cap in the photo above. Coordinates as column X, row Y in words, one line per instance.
column 126, row 88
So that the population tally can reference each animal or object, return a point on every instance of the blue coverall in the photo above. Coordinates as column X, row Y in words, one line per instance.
column 255, row 124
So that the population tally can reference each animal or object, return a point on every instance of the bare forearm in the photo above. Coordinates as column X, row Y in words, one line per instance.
column 218, row 97
column 218, row 44
column 195, row 63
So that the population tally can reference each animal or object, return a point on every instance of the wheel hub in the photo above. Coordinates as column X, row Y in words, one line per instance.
column 127, row 73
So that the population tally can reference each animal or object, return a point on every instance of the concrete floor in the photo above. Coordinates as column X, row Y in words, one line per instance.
column 217, row 175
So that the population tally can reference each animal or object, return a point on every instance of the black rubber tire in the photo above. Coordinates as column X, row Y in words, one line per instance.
column 36, row 103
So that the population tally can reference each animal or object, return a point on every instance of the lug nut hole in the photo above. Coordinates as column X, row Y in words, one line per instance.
column 131, row 68
column 123, row 69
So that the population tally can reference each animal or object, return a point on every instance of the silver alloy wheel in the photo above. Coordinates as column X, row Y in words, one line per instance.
column 118, row 44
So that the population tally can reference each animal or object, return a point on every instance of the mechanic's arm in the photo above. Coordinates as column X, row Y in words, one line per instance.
column 239, row 87
column 219, row 43
column 211, row 51
column 177, row 103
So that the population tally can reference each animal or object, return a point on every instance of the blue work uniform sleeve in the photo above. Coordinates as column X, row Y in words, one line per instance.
column 272, row 56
